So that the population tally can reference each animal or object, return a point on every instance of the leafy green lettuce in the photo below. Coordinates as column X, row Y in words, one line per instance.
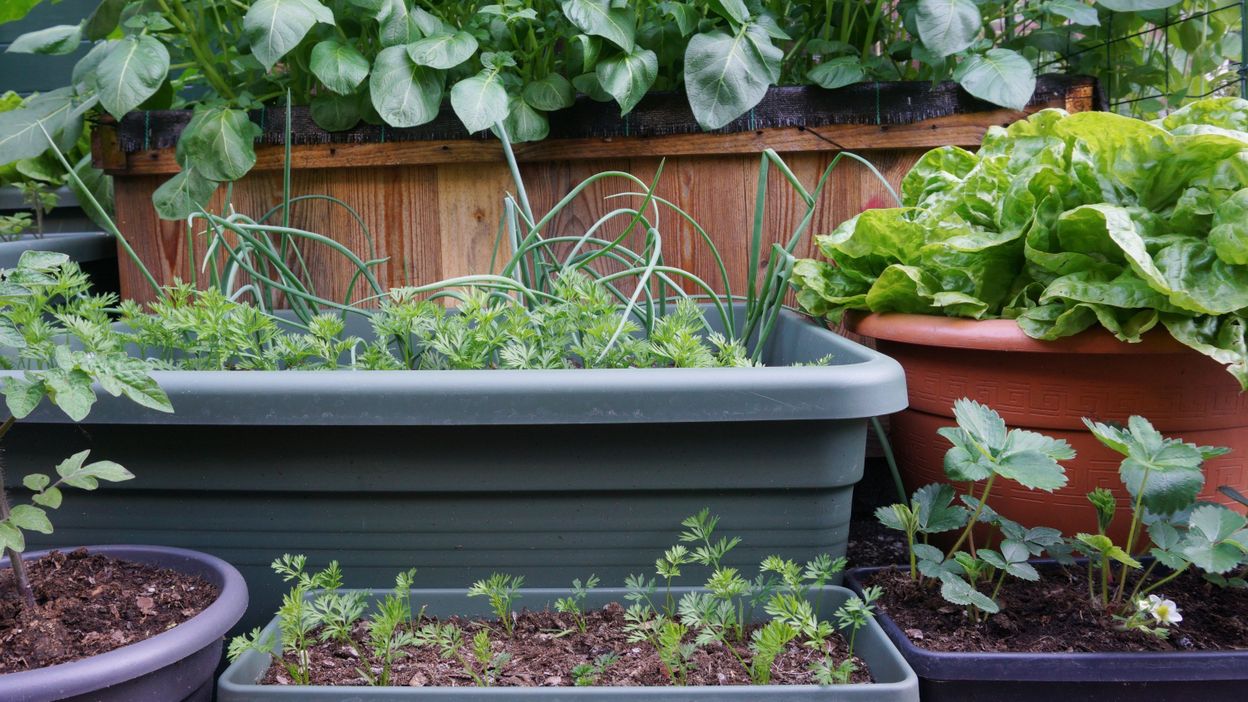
column 1063, row 222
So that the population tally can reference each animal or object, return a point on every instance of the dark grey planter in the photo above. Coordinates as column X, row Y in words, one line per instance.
column 1208, row 676
column 552, row 475
column 177, row 665
column 894, row 681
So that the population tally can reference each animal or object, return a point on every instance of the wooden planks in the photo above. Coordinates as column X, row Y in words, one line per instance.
column 434, row 208
column 436, row 222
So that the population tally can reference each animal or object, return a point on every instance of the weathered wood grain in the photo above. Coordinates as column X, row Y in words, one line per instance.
column 434, row 208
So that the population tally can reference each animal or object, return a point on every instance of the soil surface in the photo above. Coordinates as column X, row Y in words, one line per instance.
column 546, row 647
column 873, row 544
column 90, row 604
column 1056, row 615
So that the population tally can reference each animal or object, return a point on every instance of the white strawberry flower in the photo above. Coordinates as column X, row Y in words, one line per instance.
column 1165, row 611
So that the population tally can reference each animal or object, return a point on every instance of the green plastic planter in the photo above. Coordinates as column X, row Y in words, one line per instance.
column 894, row 680
column 552, row 475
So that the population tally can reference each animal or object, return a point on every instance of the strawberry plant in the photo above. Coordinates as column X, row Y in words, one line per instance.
column 1162, row 476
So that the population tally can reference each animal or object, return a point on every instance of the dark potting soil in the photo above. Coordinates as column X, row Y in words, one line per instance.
column 1056, row 615
column 546, row 647
column 873, row 544
column 91, row 604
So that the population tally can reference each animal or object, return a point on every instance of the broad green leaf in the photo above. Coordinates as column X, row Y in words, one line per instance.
column 1024, row 440
column 274, row 27
column 525, row 123
column 83, row 75
column 44, row 261
column 734, row 10
column 74, row 473
column 1169, row 559
column 36, row 482
column 928, row 553
column 58, row 40
column 1221, row 338
column 480, row 101
column 980, row 422
column 1229, row 234
column 30, row 518
column 1014, row 551
column 22, row 131
column 991, row 557
column 335, row 113
column 123, row 375
column 219, row 143
column 936, row 512
column 727, row 74
column 685, row 16
column 10, row 335
column 183, row 194
column 404, row 94
column 1164, row 473
column 1023, row 571
column 1136, row 5
column 956, row 590
column 71, row 391
column 627, row 77
column 1215, row 522
column 551, row 93
column 23, row 395
column 1164, row 535
column 103, row 20
column 398, row 26
column 896, row 516
column 13, row 10
column 1032, row 469
column 837, row 73
column 131, row 72
column 429, row 24
column 1077, row 11
column 50, row 498
column 11, row 537
column 602, row 18
column 339, row 66
column 1000, row 76
column 947, row 26
column 964, row 462
column 443, row 51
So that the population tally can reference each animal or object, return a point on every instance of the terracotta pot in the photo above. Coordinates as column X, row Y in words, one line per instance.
column 1049, row 386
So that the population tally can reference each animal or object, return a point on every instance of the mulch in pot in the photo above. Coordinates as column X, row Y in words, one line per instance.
column 546, row 646
column 1057, row 615
column 91, row 604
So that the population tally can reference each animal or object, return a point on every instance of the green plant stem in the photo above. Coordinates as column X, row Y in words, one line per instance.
column 21, row 579
column 974, row 517
column 1131, row 534
column 1135, row 592
column 1165, row 580
column 185, row 24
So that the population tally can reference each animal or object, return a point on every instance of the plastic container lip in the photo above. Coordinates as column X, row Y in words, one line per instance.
column 999, row 335
column 860, row 383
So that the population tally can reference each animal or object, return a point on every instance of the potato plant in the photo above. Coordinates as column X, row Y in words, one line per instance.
column 59, row 337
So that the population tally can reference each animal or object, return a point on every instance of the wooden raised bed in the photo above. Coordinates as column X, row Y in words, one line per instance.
column 432, row 195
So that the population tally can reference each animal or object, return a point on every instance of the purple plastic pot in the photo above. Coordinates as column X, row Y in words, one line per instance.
column 1197, row 676
column 176, row 665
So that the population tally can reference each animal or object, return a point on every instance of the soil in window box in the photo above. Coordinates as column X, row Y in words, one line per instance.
column 1057, row 615
column 546, row 646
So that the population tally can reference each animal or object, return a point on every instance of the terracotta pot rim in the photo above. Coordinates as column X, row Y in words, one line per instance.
column 999, row 335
